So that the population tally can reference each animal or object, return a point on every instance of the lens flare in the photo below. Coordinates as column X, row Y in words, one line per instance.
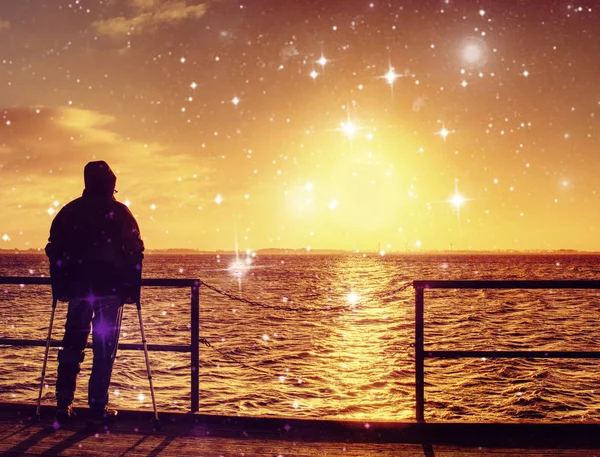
column 457, row 200
column 238, row 268
column 474, row 52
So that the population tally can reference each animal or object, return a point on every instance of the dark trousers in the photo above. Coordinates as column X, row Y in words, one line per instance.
column 103, row 314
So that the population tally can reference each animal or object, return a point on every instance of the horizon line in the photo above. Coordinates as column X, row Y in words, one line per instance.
column 304, row 251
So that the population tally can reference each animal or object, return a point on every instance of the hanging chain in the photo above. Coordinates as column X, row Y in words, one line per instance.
column 277, row 307
column 290, row 308
column 400, row 289
column 207, row 343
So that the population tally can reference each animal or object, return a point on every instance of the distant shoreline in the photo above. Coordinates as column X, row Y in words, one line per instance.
column 317, row 252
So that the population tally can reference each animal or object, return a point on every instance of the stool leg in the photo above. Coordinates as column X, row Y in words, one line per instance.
column 39, row 400
column 156, row 421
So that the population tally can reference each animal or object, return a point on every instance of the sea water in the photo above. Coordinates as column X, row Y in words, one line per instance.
column 331, row 336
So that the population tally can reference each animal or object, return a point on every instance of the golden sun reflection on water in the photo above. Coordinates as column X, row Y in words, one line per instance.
column 364, row 340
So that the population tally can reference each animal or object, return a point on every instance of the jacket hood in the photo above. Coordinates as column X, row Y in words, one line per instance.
column 99, row 179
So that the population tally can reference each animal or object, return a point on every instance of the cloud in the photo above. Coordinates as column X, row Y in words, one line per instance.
column 148, row 16
column 38, row 138
column 4, row 25
column 50, row 145
column 43, row 151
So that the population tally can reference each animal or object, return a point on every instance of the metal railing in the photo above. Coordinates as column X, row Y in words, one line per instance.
column 193, row 348
column 421, row 354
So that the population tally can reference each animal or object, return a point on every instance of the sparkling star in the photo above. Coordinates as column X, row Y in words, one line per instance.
column 349, row 129
column 391, row 76
column 457, row 200
column 444, row 132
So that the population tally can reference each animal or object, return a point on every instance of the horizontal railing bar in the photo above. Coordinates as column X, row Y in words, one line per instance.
column 155, row 347
column 418, row 284
column 514, row 354
column 171, row 282
column 24, row 280
column 125, row 346
column 160, row 282
column 508, row 284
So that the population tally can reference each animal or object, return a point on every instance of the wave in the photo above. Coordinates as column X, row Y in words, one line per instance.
column 353, row 362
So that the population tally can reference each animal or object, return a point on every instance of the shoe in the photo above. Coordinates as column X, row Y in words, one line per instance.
column 65, row 415
column 105, row 415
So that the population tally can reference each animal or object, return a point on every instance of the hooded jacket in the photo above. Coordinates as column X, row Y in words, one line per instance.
column 95, row 246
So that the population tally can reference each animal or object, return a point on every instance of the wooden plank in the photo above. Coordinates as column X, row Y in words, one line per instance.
column 40, row 439
column 205, row 435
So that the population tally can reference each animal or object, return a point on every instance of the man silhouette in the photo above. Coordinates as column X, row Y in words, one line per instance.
column 95, row 253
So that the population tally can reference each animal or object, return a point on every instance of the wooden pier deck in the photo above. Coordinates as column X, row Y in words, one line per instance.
column 221, row 436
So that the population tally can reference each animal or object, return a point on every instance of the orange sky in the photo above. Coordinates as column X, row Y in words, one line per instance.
column 224, row 124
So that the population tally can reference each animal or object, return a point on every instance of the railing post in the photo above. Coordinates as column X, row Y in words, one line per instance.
column 195, row 347
column 419, row 356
